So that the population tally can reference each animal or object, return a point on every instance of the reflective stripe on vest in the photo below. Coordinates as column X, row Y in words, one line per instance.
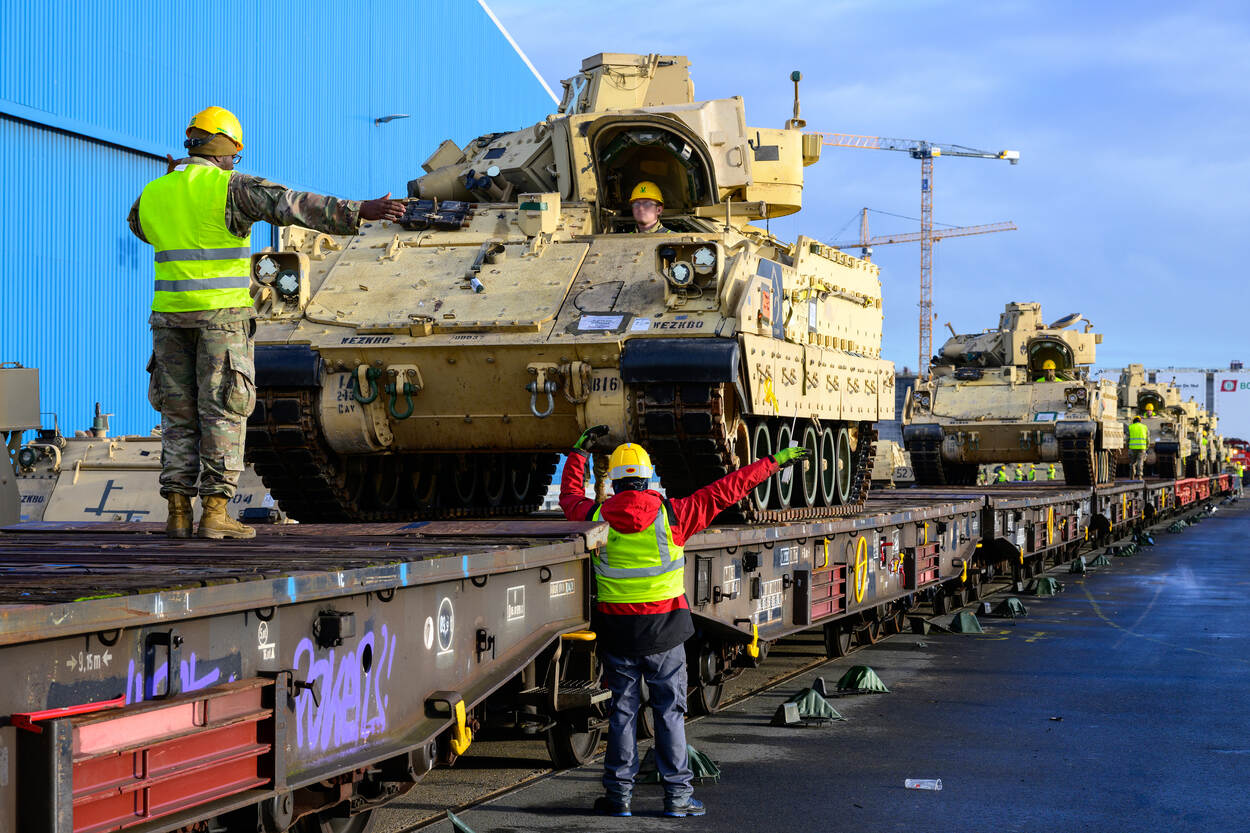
column 1138, row 437
column 643, row 566
column 199, row 263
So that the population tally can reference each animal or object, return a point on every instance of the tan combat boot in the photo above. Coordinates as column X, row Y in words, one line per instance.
column 215, row 523
column 178, row 523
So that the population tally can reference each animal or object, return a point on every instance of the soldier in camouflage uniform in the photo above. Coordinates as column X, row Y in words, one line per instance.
column 199, row 217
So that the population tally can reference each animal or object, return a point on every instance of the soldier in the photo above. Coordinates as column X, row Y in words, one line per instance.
column 1032, row 473
column 1050, row 472
column 1048, row 371
column 647, row 204
column 641, row 615
column 1019, row 472
column 1000, row 474
column 198, row 217
column 1138, row 442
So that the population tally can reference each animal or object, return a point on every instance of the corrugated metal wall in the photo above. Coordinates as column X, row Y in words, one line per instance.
column 306, row 79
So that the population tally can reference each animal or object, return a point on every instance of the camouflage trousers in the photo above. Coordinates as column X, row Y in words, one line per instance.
column 202, row 383
column 1137, row 464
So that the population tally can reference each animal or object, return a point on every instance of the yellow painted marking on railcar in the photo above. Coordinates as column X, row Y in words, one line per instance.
column 1050, row 525
column 861, row 568
column 825, row 563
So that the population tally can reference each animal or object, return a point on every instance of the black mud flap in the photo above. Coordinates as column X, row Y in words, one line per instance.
column 287, row 366
column 922, row 432
column 1073, row 430
column 680, row 360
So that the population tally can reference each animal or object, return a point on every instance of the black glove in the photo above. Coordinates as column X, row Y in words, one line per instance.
column 790, row 456
column 590, row 438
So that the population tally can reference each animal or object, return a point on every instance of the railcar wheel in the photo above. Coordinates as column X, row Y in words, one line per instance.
column 809, row 477
column 826, row 464
column 837, row 640
column 897, row 622
column 783, row 480
column 569, row 748
column 869, row 633
column 761, row 447
column 708, row 687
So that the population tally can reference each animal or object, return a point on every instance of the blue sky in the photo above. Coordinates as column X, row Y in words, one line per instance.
column 1132, row 121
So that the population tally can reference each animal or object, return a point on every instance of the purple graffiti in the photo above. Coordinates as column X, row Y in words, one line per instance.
column 352, row 703
column 188, row 675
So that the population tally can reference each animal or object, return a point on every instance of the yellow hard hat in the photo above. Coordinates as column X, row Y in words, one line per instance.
column 1150, row 407
column 646, row 190
column 630, row 460
column 1049, row 364
column 218, row 120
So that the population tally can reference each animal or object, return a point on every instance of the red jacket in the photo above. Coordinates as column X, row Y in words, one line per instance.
column 652, row 627
column 635, row 511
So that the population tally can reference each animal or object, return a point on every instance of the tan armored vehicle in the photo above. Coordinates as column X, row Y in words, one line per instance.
column 95, row 477
column 1205, row 442
column 19, row 412
column 891, row 465
column 438, row 366
column 1161, row 411
column 1020, row 393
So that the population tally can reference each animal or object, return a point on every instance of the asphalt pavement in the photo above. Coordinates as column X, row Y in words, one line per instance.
column 1122, row 703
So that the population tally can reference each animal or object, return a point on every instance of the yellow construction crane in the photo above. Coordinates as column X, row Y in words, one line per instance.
column 926, row 152
column 865, row 243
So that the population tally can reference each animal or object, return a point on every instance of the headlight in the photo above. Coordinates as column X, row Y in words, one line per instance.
column 27, row 457
column 921, row 400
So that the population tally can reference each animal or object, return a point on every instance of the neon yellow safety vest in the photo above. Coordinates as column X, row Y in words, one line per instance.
column 200, row 264
column 643, row 566
column 1002, row 476
column 1138, row 437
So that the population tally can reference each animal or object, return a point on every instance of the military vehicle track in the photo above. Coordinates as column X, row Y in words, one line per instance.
column 683, row 427
column 313, row 483
column 929, row 470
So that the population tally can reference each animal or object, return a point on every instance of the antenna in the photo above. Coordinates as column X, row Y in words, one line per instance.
column 796, row 122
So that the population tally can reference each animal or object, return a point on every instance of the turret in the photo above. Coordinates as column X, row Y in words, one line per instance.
column 1022, row 340
column 623, row 119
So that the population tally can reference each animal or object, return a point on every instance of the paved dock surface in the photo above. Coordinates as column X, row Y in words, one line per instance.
column 1123, row 703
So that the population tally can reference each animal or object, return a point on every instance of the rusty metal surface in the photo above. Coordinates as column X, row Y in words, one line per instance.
column 91, row 577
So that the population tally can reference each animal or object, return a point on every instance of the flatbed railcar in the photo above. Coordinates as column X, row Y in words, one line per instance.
column 300, row 680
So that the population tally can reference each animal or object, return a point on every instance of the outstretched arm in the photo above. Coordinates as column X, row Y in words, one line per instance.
column 694, row 513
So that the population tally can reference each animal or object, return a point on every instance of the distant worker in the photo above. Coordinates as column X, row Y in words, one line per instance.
column 1000, row 474
column 1019, row 472
column 1050, row 472
column 198, row 217
column 1138, row 442
column 1032, row 473
column 1150, row 410
column 647, row 204
column 641, row 616
column 1048, row 371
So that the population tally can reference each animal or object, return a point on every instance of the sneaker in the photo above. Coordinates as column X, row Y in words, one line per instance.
column 679, row 808
column 606, row 806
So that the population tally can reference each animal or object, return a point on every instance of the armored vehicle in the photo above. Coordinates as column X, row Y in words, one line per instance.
column 94, row 477
column 437, row 366
column 891, row 465
column 19, row 412
column 1020, row 393
column 1161, row 411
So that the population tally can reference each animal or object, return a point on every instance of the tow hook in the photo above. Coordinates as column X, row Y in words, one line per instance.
column 542, row 385
column 405, row 381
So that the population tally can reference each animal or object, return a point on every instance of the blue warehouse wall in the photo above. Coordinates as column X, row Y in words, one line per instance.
column 92, row 96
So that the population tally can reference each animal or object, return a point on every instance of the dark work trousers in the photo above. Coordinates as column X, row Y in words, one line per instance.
column 665, row 675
